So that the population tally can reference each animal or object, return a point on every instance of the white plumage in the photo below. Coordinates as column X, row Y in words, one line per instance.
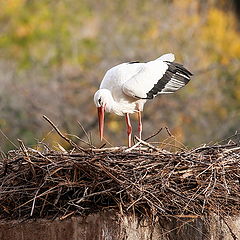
column 126, row 87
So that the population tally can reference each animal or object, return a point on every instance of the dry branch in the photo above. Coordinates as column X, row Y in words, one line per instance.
column 73, row 144
column 146, row 180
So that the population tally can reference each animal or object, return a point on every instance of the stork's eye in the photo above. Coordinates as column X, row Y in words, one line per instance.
column 99, row 101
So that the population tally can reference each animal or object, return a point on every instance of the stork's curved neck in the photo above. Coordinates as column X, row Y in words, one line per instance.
column 109, row 102
column 104, row 97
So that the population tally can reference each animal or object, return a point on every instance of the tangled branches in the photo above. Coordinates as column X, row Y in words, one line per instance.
column 150, row 182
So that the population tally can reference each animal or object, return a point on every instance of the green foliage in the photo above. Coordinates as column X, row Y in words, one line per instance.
column 40, row 32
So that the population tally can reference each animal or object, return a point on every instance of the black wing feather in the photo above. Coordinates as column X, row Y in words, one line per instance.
column 132, row 62
column 173, row 79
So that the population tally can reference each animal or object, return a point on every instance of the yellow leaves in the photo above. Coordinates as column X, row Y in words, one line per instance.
column 152, row 32
column 31, row 27
column 220, row 20
column 184, row 3
column 220, row 35
column 187, row 12
column 11, row 6
column 23, row 31
column 237, row 84
column 33, row 24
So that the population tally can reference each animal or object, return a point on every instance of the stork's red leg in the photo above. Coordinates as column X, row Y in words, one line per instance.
column 129, row 129
column 139, row 124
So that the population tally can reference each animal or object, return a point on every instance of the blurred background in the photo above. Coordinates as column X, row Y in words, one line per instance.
column 54, row 54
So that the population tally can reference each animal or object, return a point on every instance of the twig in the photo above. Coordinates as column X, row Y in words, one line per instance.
column 41, row 155
column 34, row 200
column 168, row 131
column 147, row 144
column 93, row 194
column 8, row 139
column 81, row 140
column 155, row 134
column 88, row 138
column 40, row 195
column 103, row 145
column 230, row 230
column 110, row 149
column 67, row 215
column 133, row 147
column 27, row 158
column 203, row 148
column 152, row 183
column 73, row 144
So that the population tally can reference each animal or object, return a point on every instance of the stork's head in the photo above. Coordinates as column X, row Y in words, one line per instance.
column 103, row 101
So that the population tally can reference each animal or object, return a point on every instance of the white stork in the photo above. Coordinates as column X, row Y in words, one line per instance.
column 126, row 87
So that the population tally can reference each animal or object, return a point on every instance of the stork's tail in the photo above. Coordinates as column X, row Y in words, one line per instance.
column 167, row 57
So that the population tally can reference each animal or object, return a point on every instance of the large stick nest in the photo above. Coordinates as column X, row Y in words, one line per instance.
column 148, row 181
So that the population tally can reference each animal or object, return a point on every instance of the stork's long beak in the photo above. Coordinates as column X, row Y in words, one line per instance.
column 101, row 121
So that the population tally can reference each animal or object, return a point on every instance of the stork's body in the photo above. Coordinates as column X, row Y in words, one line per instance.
column 126, row 87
